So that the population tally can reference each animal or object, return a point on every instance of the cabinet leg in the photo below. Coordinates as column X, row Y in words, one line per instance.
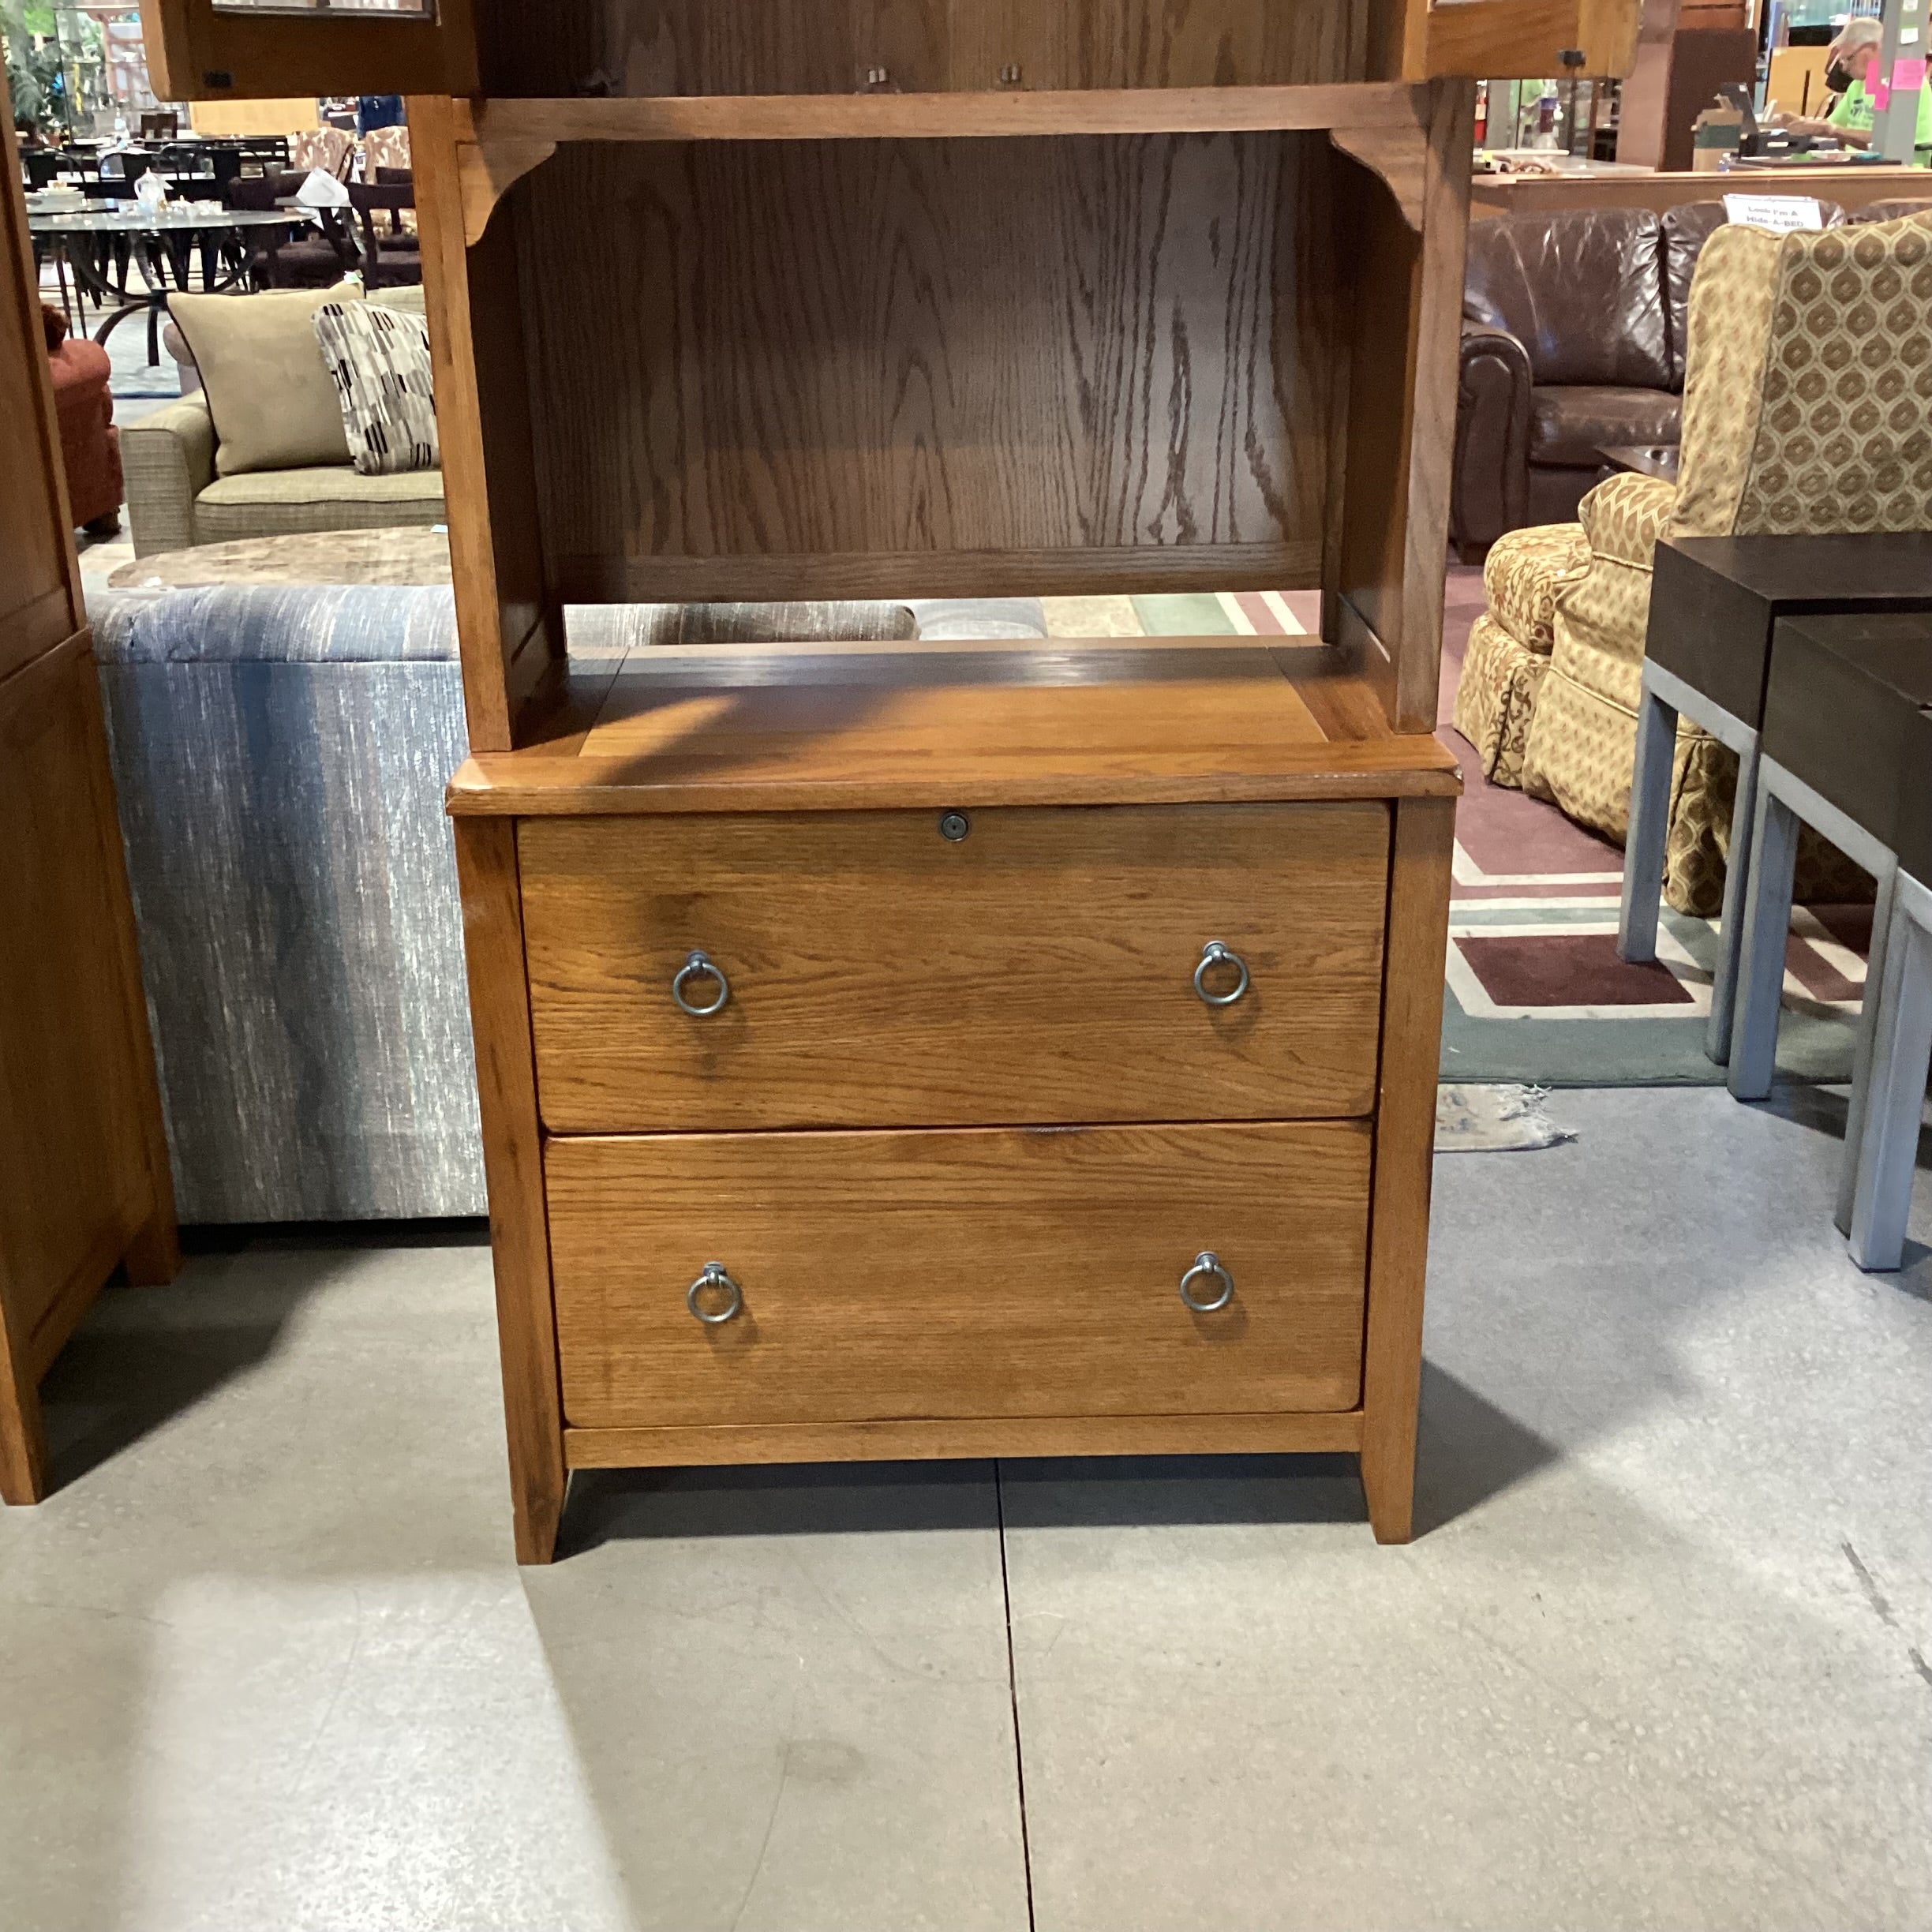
column 153, row 1257
column 23, row 1441
column 537, row 1497
column 1388, row 1481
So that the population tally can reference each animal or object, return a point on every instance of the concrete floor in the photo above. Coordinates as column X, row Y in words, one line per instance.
column 1660, row 1659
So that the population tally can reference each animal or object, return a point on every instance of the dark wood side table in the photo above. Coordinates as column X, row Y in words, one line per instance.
column 1651, row 460
column 1846, row 745
column 1714, row 604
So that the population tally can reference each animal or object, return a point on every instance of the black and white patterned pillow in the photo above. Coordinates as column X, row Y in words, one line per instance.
column 379, row 360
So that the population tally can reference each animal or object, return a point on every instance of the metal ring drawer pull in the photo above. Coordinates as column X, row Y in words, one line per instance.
column 1215, row 953
column 714, row 1277
column 700, row 966
column 1207, row 1263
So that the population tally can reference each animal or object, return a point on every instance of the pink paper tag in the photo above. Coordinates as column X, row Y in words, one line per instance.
column 1881, row 96
column 1908, row 76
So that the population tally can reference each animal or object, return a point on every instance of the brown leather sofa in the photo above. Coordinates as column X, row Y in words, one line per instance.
column 1572, row 338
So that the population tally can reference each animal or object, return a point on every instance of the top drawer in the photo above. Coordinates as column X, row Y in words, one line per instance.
column 1040, row 969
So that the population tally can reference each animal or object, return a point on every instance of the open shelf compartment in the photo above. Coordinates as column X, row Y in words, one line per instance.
column 1097, row 346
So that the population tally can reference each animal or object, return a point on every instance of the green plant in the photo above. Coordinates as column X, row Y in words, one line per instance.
column 34, row 77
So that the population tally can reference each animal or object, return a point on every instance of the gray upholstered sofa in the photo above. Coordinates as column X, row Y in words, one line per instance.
column 280, row 754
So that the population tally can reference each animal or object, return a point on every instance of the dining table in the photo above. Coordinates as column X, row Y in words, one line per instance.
column 163, row 242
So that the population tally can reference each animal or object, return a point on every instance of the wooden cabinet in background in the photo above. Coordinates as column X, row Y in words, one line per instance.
column 84, row 1185
column 947, row 1050
column 1684, row 53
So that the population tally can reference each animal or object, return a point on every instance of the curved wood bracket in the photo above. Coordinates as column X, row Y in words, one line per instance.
column 1397, row 156
column 488, row 170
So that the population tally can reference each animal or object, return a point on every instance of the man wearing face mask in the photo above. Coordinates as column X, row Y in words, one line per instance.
column 1850, row 63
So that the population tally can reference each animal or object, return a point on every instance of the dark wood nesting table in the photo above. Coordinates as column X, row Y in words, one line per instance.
column 1715, row 605
column 1846, row 747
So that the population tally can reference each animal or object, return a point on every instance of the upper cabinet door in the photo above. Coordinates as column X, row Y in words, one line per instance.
column 235, row 50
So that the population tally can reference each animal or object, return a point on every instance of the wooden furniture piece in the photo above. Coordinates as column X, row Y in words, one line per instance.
column 84, row 1167
column 1685, row 53
column 1651, row 460
column 909, row 1051
column 1847, row 744
column 1796, row 83
column 1852, row 185
column 1715, row 604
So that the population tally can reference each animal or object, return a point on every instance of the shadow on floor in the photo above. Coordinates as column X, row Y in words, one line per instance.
column 121, row 1378
column 1469, row 1451
column 1824, row 1109
column 146, row 1355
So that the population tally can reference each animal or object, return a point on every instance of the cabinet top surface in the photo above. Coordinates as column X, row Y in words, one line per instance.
column 877, row 726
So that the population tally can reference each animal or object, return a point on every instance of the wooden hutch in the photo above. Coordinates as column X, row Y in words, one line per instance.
column 932, row 1051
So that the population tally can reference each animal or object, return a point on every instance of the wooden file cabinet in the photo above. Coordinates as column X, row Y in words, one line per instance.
column 929, row 301
column 865, row 1105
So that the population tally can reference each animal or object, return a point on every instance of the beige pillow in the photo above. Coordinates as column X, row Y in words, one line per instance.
column 267, row 387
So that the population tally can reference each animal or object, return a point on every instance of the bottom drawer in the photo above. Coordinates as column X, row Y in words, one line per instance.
column 959, row 1273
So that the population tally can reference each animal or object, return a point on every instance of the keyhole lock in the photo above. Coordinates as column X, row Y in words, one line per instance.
column 954, row 826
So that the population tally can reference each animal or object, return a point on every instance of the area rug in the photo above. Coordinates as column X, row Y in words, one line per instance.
column 1535, row 992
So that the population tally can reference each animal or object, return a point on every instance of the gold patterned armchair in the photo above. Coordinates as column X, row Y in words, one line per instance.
column 1807, row 410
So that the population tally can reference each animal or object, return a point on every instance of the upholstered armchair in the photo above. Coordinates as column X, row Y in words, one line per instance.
column 1807, row 409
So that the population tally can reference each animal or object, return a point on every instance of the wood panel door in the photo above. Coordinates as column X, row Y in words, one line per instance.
column 87, row 1184
column 266, row 49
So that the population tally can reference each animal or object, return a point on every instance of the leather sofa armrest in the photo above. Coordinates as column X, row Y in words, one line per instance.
column 1492, row 487
column 169, row 457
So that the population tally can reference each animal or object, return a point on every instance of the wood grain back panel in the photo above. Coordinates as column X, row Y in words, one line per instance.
column 965, row 1274
column 795, row 47
column 1039, row 969
column 828, row 368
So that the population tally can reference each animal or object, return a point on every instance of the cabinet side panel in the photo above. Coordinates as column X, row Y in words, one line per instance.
column 512, row 631
column 783, row 46
column 1418, row 937
column 824, row 367
column 486, row 864
column 1404, row 307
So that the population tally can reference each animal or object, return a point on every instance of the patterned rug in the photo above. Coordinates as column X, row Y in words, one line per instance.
column 1535, row 991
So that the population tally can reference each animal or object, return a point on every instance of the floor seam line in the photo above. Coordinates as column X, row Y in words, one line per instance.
column 1013, row 1693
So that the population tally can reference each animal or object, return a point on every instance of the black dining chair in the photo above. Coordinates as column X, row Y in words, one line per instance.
column 306, row 258
column 128, row 165
column 44, row 166
column 392, row 258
